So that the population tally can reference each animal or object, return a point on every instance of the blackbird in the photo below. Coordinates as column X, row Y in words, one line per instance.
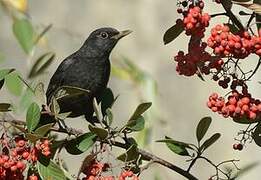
column 88, row 68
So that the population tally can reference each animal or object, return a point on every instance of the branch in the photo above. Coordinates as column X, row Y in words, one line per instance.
column 167, row 164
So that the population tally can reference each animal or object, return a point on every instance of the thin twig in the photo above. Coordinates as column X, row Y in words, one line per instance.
column 255, row 70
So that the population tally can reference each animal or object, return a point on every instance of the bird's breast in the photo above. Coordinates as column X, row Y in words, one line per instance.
column 90, row 75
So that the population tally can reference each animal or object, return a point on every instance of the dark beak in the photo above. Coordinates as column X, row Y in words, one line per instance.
column 121, row 34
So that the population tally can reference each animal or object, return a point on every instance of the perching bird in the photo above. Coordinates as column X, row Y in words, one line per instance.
column 88, row 68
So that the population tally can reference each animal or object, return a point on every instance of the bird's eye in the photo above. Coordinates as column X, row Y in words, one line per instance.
column 104, row 35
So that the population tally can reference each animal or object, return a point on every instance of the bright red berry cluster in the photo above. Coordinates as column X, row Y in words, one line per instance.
column 44, row 147
column 225, row 43
column 95, row 170
column 16, row 153
column 237, row 105
column 128, row 174
column 194, row 20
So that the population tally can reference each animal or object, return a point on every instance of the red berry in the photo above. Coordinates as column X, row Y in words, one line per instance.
column 33, row 177
column 252, row 115
column 189, row 26
column 1, row 161
column 13, row 168
column 232, row 100
column 245, row 100
column 245, row 107
column 179, row 10
column 21, row 143
column 239, row 147
column 20, row 165
column 25, row 155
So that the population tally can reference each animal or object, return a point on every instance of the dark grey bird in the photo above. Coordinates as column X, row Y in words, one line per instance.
column 88, row 68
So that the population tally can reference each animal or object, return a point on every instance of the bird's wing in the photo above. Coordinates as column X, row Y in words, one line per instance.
column 58, row 77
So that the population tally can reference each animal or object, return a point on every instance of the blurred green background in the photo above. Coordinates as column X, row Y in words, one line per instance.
column 143, row 70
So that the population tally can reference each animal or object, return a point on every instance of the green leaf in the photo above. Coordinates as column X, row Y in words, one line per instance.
column 172, row 33
column 170, row 140
column 109, row 116
column 32, row 137
column 107, row 100
column 81, row 143
column 66, row 94
column 97, row 109
column 257, row 134
column 43, row 130
column 241, row 0
column 14, row 84
column 256, row 1
column 19, row 128
column 2, row 82
column 101, row 133
column 176, row 146
column 245, row 120
column 136, row 124
column 51, row 171
column 210, row 141
column 140, row 110
column 5, row 72
column 41, row 64
column 130, row 155
column 54, row 107
column 24, row 33
column 62, row 116
column 32, row 116
column 45, row 30
column 4, row 107
column 227, row 4
column 120, row 72
column 202, row 127
column 136, row 74
column 26, row 99
column 39, row 93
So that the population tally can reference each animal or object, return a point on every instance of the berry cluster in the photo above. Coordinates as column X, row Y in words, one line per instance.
column 225, row 43
column 238, row 146
column 95, row 170
column 237, row 105
column 194, row 21
column 128, row 174
column 16, row 153
column 225, row 80
column 44, row 147
column 196, row 60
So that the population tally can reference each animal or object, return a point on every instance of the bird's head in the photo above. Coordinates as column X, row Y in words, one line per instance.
column 102, row 41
